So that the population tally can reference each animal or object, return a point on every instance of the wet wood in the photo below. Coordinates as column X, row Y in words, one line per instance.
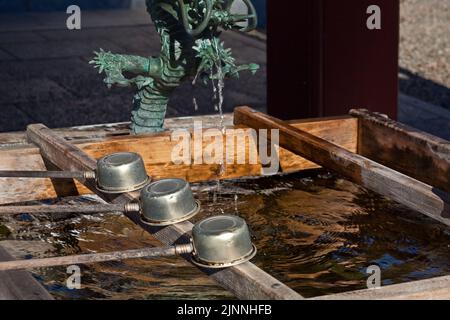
column 246, row 281
column 431, row 289
column 363, row 171
column 93, row 258
column 19, row 285
column 402, row 148
column 156, row 151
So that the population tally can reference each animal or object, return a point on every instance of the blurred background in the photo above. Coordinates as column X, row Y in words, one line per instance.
column 45, row 76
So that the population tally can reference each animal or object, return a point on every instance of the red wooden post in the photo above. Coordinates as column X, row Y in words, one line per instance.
column 323, row 60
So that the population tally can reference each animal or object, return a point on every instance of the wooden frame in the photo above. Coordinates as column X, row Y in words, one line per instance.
column 19, row 285
column 407, row 150
column 97, row 141
column 331, row 142
column 399, row 187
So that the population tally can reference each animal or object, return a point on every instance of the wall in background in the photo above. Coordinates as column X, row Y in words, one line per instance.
column 323, row 60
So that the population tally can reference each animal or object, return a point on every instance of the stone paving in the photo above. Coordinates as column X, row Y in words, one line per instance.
column 46, row 77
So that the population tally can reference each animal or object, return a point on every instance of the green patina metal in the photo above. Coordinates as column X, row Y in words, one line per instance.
column 4, row 231
column 189, row 31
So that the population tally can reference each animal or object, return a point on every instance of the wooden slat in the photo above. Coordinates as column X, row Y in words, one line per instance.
column 383, row 180
column 156, row 152
column 431, row 289
column 246, row 281
column 99, row 131
column 342, row 131
column 402, row 148
column 19, row 285
column 19, row 139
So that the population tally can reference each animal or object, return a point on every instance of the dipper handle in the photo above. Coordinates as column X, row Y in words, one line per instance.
column 48, row 174
column 96, row 257
column 82, row 209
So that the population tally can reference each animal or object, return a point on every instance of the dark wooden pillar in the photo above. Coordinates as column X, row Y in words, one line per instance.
column 323, row 60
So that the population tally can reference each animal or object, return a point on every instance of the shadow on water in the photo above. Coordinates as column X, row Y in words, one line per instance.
column 316, row 232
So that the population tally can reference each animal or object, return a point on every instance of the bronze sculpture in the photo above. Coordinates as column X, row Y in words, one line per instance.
column 189, row 31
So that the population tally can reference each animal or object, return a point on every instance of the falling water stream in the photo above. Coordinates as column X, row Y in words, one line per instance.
column 219, row 97
column 218, row 85
column 315, row 231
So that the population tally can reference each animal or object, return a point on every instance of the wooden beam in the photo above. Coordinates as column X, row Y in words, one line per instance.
column 100, row 131
column 19, row 285
column 402, row 148
column 342, row 131
column 156, row 152
column 246, row 281
column 363, row 171
column 431, row 289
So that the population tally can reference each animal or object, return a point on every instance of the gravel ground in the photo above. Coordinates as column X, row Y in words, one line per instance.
column 425, row 50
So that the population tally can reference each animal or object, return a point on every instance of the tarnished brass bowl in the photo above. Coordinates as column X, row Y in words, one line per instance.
column 121, row 172
column 168, row 202
column 222, row 241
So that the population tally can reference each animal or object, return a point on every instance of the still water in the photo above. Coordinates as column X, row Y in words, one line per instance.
column 316, row 232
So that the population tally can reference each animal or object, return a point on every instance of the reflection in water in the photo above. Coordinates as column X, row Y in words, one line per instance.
column 317, row 233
